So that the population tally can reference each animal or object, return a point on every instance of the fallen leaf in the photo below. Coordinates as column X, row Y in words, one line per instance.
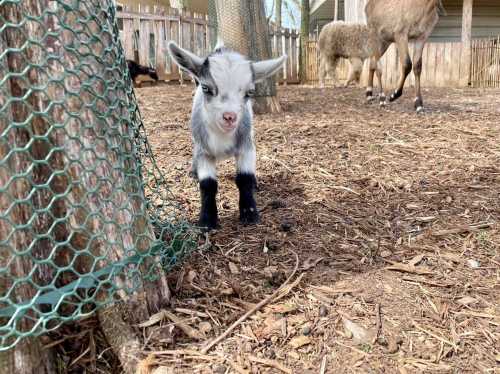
column 283, row 308
column 227, row 291
column 406, row 268
column 270, row 271
column 205, row 327
column 473, row 263
column 311, row 262
column 233, row 268
column 153, row 320
column 466, row 300
column 294, row 355
column 191, row 276
column 385, row 254
column 416, row 260
column 299, row 341
column 360, row 335
column 271, row 325
column 188, row 330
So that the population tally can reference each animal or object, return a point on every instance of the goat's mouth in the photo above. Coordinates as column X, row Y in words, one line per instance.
column 228, row 127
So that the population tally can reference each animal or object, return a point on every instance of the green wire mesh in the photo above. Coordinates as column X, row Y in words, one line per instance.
column 86, row 217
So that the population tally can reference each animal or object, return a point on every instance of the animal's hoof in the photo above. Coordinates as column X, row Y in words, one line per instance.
column 383, row 103
column 249, row 216
column 208, row 224
column 419, row 109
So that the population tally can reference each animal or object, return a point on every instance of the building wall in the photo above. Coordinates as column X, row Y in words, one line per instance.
column 323, row 11
column 355, row 11
column 485, row 21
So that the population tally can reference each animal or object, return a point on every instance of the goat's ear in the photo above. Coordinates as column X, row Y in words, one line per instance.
column 186, row 60
column 265, row 69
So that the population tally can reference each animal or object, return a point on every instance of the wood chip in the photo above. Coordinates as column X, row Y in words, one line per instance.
column 271, row 363
column 188, row 330
column 233, row 268
column 299, row 341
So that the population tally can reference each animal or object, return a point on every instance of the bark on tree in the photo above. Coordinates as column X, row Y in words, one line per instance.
column 304, row 37
column 243, row 27
column 279, row 7
column 104, row 210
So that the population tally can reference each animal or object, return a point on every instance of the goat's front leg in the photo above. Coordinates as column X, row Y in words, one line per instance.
column 246, row 182
column 207, row 177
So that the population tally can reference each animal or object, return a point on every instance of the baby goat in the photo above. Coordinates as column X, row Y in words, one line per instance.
column 221, row 123
column 136, row 70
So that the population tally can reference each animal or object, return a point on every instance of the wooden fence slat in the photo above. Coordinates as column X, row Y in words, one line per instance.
column 160, row 52
column 455, row 65
column 127, row 37
column 144, row 30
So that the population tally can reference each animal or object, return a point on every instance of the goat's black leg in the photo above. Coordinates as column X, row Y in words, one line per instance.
column 246, row 183
column 417, row 71
column 208, row 215
column 406, row 66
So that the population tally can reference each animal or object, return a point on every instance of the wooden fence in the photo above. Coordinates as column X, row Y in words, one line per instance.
column 145, row 31
column 442, row 66
column 485, row 71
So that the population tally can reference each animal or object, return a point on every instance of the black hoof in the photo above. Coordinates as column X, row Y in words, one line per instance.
column 208, row 224
column 369, row 96
column 396, row 95
column 419, row 105
column 249, row 216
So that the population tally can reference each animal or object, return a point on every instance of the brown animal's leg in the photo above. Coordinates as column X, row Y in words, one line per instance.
column 322, row 72
column 355, row 68
column 381, row 95
column 371, row 73
column 374, row 62
column 417, row 71
column 406, row 66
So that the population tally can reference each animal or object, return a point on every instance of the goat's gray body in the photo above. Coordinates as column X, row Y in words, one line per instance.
column 205, row 142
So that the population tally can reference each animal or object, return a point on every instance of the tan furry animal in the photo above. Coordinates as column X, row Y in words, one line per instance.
column 401, row 21
column 345, row 40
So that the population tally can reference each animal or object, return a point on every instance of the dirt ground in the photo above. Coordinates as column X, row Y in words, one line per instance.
column 393, row 218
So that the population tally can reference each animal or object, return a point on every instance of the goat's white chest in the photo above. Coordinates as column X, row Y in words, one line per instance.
column 221, row 146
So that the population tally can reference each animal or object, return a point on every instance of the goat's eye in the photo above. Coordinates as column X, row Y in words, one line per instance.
column 206, row 89
column 250, row 93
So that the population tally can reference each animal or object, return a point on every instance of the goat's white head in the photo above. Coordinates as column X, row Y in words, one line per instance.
column 226, row 82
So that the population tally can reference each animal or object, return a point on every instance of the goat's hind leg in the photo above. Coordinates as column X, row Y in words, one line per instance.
column 417, row 71
column 406, row 66
column 206, row 174
column 246, row 182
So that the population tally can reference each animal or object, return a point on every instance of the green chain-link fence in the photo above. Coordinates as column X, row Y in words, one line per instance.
column 85, row 214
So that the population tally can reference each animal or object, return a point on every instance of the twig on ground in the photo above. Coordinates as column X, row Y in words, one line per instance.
column 378, row 327
column 322, row 368
column 264, row 302
column 271, row 363
column 463, row 229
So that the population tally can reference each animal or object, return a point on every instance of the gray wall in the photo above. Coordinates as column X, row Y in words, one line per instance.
column 485, row 21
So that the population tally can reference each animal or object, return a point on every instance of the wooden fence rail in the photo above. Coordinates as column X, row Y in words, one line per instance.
column 485, row 71
column 443, row 65
column 145, row 31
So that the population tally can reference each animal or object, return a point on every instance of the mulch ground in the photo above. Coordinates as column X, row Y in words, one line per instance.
column 392, row 217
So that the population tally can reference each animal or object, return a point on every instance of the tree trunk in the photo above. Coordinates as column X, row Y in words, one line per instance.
column 279, row 7
column 84, row 150
column 304, row 37
column 243, row 28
